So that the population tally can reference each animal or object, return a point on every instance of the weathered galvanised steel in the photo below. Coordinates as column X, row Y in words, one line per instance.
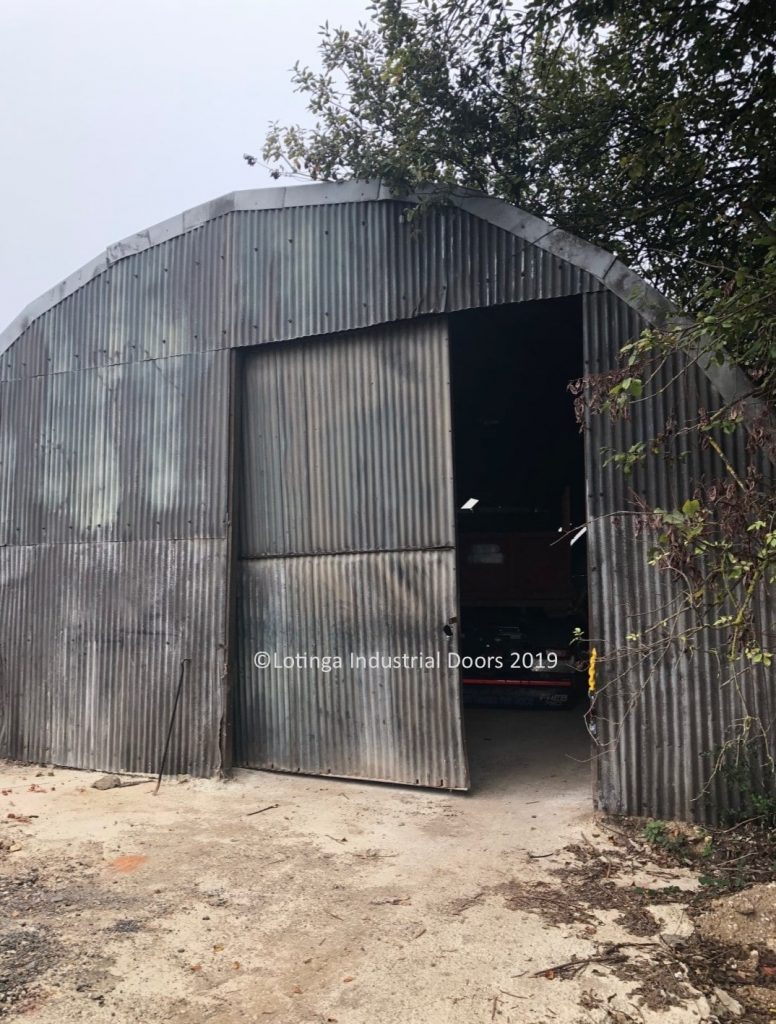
column 174, row 487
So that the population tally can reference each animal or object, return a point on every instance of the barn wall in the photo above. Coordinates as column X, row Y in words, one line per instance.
column 250, row 277
column 114, row 420
column 113, row 512
column 125, row 452
column 660, row 721
column 93, row 637
column 114, row 509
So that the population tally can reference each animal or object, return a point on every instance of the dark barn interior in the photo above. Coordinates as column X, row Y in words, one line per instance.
column 520, row 495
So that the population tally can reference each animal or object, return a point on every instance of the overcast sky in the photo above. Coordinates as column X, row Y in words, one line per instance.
column 119, row 113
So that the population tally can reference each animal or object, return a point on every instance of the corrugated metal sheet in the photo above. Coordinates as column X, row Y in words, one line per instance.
column 91, row 640
column 169, row 300
column 346, row 444
column 131, row 452
column 271, row 275
column 395, row 724
column 347, row 448
column 663, row 720
column 114, row 449
column 114, row 516
column 318, row 270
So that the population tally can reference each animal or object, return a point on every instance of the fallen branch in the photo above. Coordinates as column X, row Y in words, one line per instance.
column 610, row 955
column 261, row 810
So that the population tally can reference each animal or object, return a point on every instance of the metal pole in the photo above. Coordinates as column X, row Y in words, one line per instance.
column 184, row 663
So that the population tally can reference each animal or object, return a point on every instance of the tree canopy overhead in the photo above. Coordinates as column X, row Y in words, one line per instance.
column 644, row 127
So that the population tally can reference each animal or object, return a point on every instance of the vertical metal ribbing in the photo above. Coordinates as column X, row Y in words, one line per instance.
column 92, row 639
column 661, row 719
column 347, row 547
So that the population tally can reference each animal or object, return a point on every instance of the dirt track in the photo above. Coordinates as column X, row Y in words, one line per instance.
column 345, row 902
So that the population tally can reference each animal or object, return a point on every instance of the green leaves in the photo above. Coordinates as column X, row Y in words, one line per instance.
column 644, row 128
column 629, row 459
column 758, row 656
column 631, row 386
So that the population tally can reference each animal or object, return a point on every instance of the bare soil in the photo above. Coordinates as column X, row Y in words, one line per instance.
column 280, row 898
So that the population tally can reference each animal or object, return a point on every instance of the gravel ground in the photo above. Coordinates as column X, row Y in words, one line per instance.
column 341, row 902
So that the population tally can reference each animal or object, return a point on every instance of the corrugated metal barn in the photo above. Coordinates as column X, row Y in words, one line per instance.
column 235, row 432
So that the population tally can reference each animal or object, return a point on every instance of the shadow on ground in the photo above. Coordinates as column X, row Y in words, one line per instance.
column 524, row 749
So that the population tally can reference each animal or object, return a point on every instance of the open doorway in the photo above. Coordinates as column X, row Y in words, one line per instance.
column 522, row 571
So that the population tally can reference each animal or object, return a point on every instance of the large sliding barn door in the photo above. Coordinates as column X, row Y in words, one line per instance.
column 346, row 553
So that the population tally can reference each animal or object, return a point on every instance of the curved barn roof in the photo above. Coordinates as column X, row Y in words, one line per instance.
column 604, row 268
column 601, row 265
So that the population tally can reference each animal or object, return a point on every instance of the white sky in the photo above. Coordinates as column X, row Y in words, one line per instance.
column 119, row 113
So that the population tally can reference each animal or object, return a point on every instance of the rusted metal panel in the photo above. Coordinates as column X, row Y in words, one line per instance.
column 275, row 274
column 91, row 641
column 397, row 724
column 347, row 443
column 318, row 270
column 347, row 450
column 130, row 452
column 661, row 720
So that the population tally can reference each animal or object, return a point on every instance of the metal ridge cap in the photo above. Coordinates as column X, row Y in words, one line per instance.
column 270, row 198
column 601, row 265
column 614, row 275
